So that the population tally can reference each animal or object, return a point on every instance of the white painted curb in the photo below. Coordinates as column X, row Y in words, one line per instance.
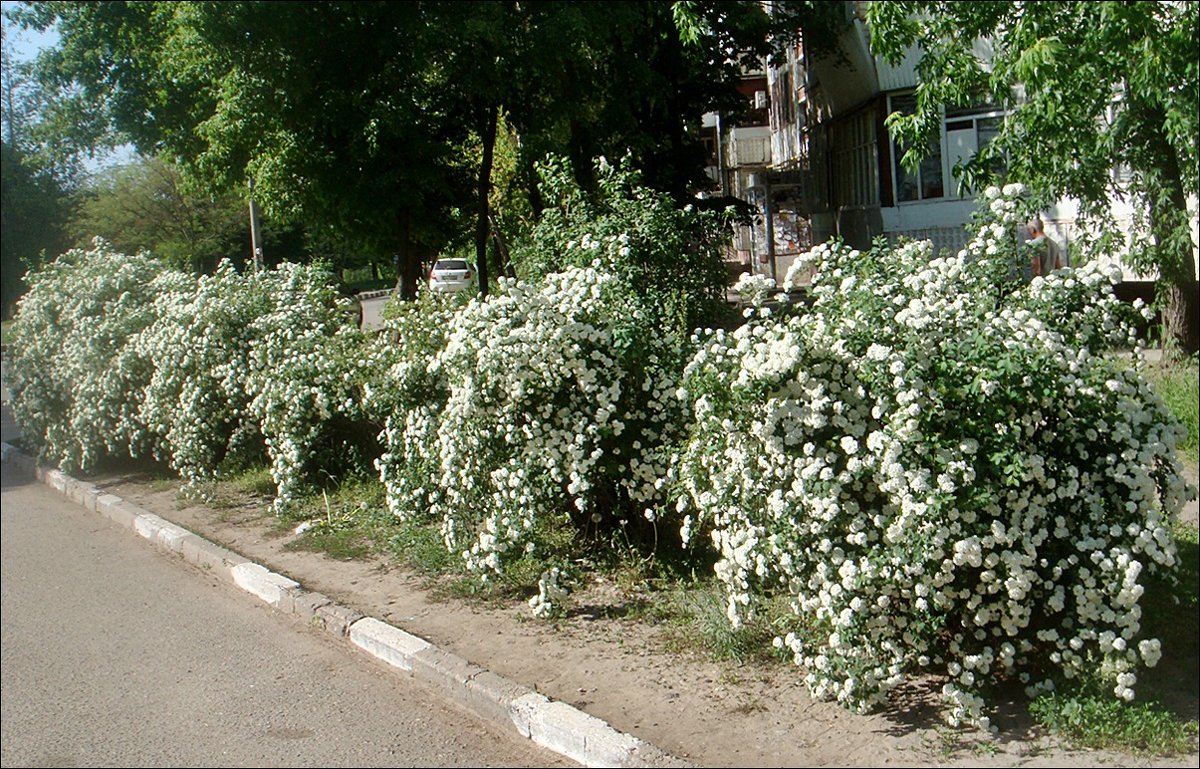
column 272, row 588
column 390, row 644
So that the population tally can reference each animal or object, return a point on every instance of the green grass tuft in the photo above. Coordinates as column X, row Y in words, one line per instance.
column 343, row 543
column 696, row 614
column 1178, row 384
column 421, row 547
column 1101, row 721
column 254, row 481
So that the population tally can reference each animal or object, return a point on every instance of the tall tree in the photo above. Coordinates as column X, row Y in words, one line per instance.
column 35, row 199
column 589, row 79
column 334, row 109
column 1093, row 88
column 147, row 204
column 33, row 214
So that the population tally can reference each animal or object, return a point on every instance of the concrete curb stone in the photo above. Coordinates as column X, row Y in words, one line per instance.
column 119, row 511
column 338, row 619
column 388, row 643
column 554, row 725
column 200, row 552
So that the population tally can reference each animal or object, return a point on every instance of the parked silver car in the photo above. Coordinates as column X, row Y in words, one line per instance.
column 451, row 276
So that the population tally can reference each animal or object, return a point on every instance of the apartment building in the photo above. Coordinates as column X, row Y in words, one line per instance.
column 818, row 157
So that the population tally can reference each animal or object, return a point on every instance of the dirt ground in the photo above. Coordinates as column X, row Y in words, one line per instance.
column 621, row 670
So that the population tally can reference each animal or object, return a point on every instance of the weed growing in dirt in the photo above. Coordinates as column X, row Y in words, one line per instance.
column 341, row 541
column 254, row 481
column 420, row 547
column 1178, row 385
column 695, row 615
column 1091, row 718
column 346, row 521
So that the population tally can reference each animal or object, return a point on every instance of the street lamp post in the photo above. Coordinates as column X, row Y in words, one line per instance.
column 255, row 235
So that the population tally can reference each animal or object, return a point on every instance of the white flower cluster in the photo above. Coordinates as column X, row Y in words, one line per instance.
column 551, row 596
column 555, row 405
column 116, row 356
column 943, row 475
column 75, row 379
column 754, row 289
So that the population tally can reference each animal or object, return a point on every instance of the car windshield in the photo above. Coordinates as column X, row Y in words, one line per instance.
column 451, row 264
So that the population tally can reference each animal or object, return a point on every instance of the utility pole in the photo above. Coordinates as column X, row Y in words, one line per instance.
column 255, row 235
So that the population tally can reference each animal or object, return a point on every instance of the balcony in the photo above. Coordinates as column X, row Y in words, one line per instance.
column 750, row 146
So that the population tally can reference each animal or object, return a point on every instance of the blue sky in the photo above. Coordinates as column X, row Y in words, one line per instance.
column 25, row 44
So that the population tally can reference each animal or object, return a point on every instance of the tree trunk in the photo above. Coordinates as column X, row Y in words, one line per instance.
column 536, row 203
column 408, row 260
column 1180, row 324
column 485, row 188
column 1177, row 286
column 502, row 254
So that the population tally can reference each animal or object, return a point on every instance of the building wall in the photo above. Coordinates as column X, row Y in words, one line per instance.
column 823, row 129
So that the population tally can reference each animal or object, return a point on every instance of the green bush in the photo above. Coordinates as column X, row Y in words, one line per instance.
column 669, row 256
column 77, row 375
column 941, row 467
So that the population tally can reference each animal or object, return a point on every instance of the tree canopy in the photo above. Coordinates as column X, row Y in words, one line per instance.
column 146, row 205
column 1093, row 89
column 377, row 119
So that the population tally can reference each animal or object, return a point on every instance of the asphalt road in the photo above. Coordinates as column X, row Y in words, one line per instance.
column 115, row 653
column 373, row 311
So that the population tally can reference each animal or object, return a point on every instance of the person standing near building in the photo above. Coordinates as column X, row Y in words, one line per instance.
column 1045, row 255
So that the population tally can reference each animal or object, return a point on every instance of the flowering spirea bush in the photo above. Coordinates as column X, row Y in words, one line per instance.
column 669, row 256
column 197, row 401
column 408, row 399
column 940, row 467
column 114, row 355
column 309, row 367
column 558, row 399
column 75, row 374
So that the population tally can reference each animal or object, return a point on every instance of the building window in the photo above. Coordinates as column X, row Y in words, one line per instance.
column 854, row 161
column 968, row 131
column 926, row 182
